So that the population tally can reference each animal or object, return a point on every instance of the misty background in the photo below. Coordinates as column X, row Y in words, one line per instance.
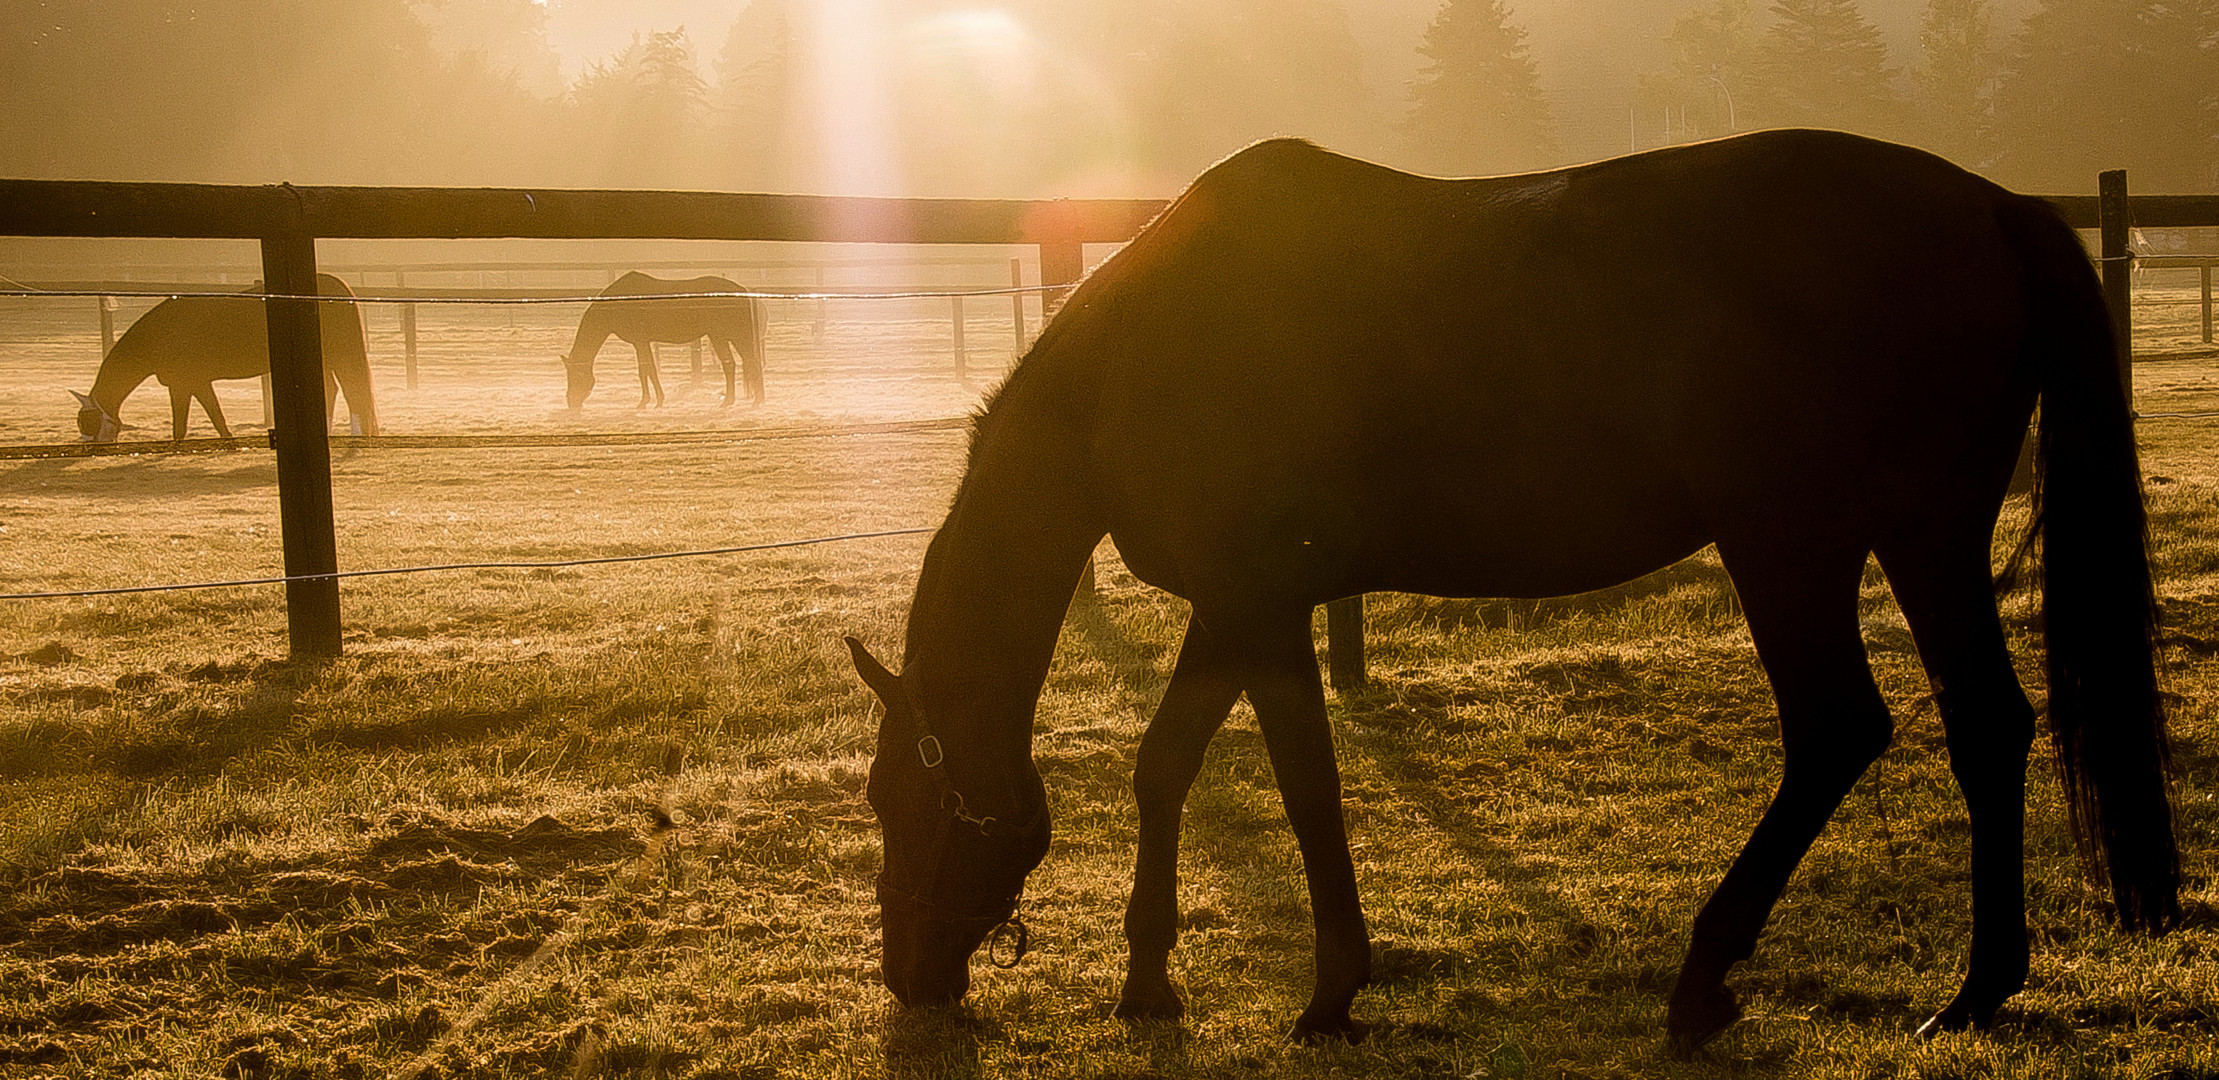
column 1031, row 98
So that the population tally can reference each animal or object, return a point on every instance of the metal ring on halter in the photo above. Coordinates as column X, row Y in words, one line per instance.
column 999, row 912
column 1009, row 928
column 929, row 752
column 952, row 802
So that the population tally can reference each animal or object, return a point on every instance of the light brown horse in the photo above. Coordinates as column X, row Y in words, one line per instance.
column 1314, row 377
column 188, row 343
column 732, row 325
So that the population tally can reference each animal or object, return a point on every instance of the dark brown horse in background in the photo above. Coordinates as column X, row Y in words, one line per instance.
column 187, row 343
column 1314, row 377
column 732, row 324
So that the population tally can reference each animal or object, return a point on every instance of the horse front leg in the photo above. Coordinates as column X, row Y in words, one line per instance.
column 1201, row 693
column 650, row 375
column 181, row 411
column 1280, row 673
column 1802, row 613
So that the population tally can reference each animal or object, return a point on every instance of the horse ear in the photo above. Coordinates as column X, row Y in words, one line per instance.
column 882, row 682
column 83, row 401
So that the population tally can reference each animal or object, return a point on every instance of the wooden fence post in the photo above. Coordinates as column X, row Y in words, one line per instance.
column 1017, row 306
column 1344, row 642
column 108, row 319
column 821, row 305
column 2115, row 216
column 962, row 363
column 303, row 446
column 2207, row 303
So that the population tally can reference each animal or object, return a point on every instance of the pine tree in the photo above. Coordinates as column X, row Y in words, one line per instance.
column 1477, row 105
column 1713, row 75
column 2108, row 84
column 1954, row 86
column 643, row 109
column 756, row 73
column 1825, row 65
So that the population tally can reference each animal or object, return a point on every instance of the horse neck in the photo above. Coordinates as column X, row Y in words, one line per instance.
column 991, row 597
column 593, row 332
column 121, row 371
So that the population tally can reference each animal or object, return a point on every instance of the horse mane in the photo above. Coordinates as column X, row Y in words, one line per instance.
column 1108, row 281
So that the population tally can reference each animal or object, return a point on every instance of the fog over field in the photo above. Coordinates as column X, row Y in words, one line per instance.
column 1047, row 98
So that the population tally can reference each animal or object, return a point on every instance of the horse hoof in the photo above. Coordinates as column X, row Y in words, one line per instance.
column 1953, row 1019
column 1309, row 1032
column 1691, row 1021
column 1152, row 1003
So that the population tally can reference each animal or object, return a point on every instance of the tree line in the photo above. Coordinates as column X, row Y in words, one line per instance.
column 1035, row 97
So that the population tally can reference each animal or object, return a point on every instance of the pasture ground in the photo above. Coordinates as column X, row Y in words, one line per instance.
column 609, row 821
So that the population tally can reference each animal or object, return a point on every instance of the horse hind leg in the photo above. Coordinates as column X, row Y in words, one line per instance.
column 1195, row 704
column 725, row 361
column 1946, row 597
column 1802, row 611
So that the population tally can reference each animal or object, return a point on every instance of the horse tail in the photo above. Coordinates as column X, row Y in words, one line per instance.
column 2099, row 607
column 347, row 354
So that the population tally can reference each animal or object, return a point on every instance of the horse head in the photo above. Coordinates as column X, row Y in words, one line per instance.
column 951, row 873
column 580, row 380
column 95, row 424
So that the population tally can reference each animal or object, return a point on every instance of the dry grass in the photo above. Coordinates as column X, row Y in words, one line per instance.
column 610, row 822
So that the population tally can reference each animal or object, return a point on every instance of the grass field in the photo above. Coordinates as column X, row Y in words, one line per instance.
column 609, row 821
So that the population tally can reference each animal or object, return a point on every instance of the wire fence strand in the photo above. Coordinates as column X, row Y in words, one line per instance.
column 498, row 565
column 458, row 442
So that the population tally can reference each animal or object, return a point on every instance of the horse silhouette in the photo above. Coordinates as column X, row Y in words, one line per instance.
column 732, row 325
column 1314, row 377
column 187, row 343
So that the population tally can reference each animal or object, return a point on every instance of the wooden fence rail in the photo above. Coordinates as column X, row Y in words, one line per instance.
column 288, row 220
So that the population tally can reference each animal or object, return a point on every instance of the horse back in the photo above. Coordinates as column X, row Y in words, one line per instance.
column 1311, row 363
column 680, row 319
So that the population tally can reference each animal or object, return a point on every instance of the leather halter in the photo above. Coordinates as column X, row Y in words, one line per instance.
column 1001, row 915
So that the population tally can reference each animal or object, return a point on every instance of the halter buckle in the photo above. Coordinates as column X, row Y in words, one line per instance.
column 929, row 752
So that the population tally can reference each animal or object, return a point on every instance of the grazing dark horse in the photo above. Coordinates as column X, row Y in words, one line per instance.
column 1314, row 377
column 732, row 324
column 187, row 343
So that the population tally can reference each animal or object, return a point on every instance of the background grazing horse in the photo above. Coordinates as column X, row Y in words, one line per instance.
column 187, row 343
column 732, row 324
column 1314, row 377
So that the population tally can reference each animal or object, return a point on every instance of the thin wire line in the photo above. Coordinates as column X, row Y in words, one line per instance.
column 49, row 451
column 289, row 578
column 743, row 294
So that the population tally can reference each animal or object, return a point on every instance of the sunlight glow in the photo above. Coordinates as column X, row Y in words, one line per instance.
column 858, row 151
column 984, row 46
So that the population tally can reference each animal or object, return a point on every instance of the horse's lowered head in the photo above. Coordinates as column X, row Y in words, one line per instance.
column 952, row 870
column 95, row 424
column 579, row 382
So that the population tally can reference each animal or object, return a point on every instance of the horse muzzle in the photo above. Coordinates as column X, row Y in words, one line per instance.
column 927, row 957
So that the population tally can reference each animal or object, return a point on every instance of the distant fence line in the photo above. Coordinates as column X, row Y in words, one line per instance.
column 288, row 221
column 108, row 291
